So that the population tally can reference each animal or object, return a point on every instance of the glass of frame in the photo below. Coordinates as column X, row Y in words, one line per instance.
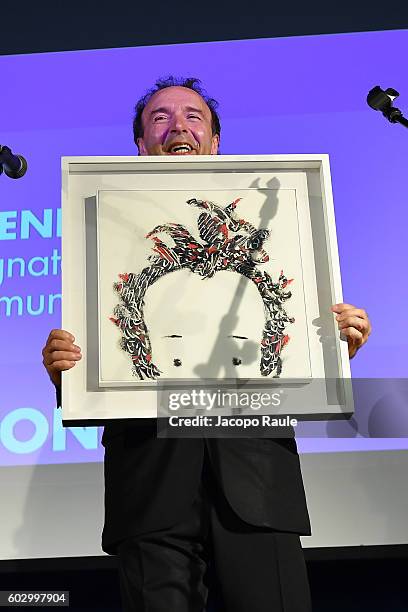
column 215, row 268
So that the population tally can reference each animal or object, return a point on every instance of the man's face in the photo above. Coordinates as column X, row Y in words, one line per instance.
column 177, row 121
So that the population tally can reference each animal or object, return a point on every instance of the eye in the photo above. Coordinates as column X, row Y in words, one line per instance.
column 159, row 118
column 191, row 116
column 236, row 361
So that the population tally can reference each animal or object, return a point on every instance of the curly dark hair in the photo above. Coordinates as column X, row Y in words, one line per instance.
column 172, row 81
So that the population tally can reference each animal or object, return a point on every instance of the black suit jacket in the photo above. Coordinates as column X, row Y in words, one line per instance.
column 150, row 482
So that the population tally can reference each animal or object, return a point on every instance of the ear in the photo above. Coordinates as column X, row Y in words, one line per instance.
column 141, row 146
column 215, row 143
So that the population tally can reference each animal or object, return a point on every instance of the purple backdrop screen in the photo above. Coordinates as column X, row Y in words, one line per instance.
column 292, row 95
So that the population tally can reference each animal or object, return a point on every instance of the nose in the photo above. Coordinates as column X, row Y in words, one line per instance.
column 178, row 124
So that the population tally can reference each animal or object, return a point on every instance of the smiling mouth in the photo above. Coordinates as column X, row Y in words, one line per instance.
column 181, row 148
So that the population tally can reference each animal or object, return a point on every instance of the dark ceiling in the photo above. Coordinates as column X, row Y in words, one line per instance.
column 57, row 25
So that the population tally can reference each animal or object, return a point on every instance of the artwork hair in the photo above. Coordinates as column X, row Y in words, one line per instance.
column 172, row 81
column 228, row 243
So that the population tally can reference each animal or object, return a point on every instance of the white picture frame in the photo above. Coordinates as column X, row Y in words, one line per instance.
column 96, row 189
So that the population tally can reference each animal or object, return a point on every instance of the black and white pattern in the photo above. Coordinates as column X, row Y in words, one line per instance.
column 226, row 243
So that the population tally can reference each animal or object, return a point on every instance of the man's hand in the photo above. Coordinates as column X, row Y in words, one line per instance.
column 60, row 354
column 354, row 324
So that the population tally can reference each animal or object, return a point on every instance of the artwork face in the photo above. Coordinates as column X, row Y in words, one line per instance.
column 186, row 350
column 226, row 242
column 202, row 294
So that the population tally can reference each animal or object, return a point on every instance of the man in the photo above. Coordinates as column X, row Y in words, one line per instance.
column 174, row 507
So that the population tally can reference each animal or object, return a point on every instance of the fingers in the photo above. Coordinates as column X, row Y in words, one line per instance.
column 355, row 339
column 60, row 345
column 353, row 321
column 57, row 350
column 54, row 370
column 60, row 334
column 350, row 316
column 60, row 354
column 51, row 358
column 351, row 311
column 353, row 324
column 347, row 313
column 343, row 310
column 351, row 333
column 340, row 307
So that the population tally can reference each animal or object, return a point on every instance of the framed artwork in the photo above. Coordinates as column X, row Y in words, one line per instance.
column 219, row 269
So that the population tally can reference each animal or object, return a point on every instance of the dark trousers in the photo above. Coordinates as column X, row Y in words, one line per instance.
column 245, row 568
